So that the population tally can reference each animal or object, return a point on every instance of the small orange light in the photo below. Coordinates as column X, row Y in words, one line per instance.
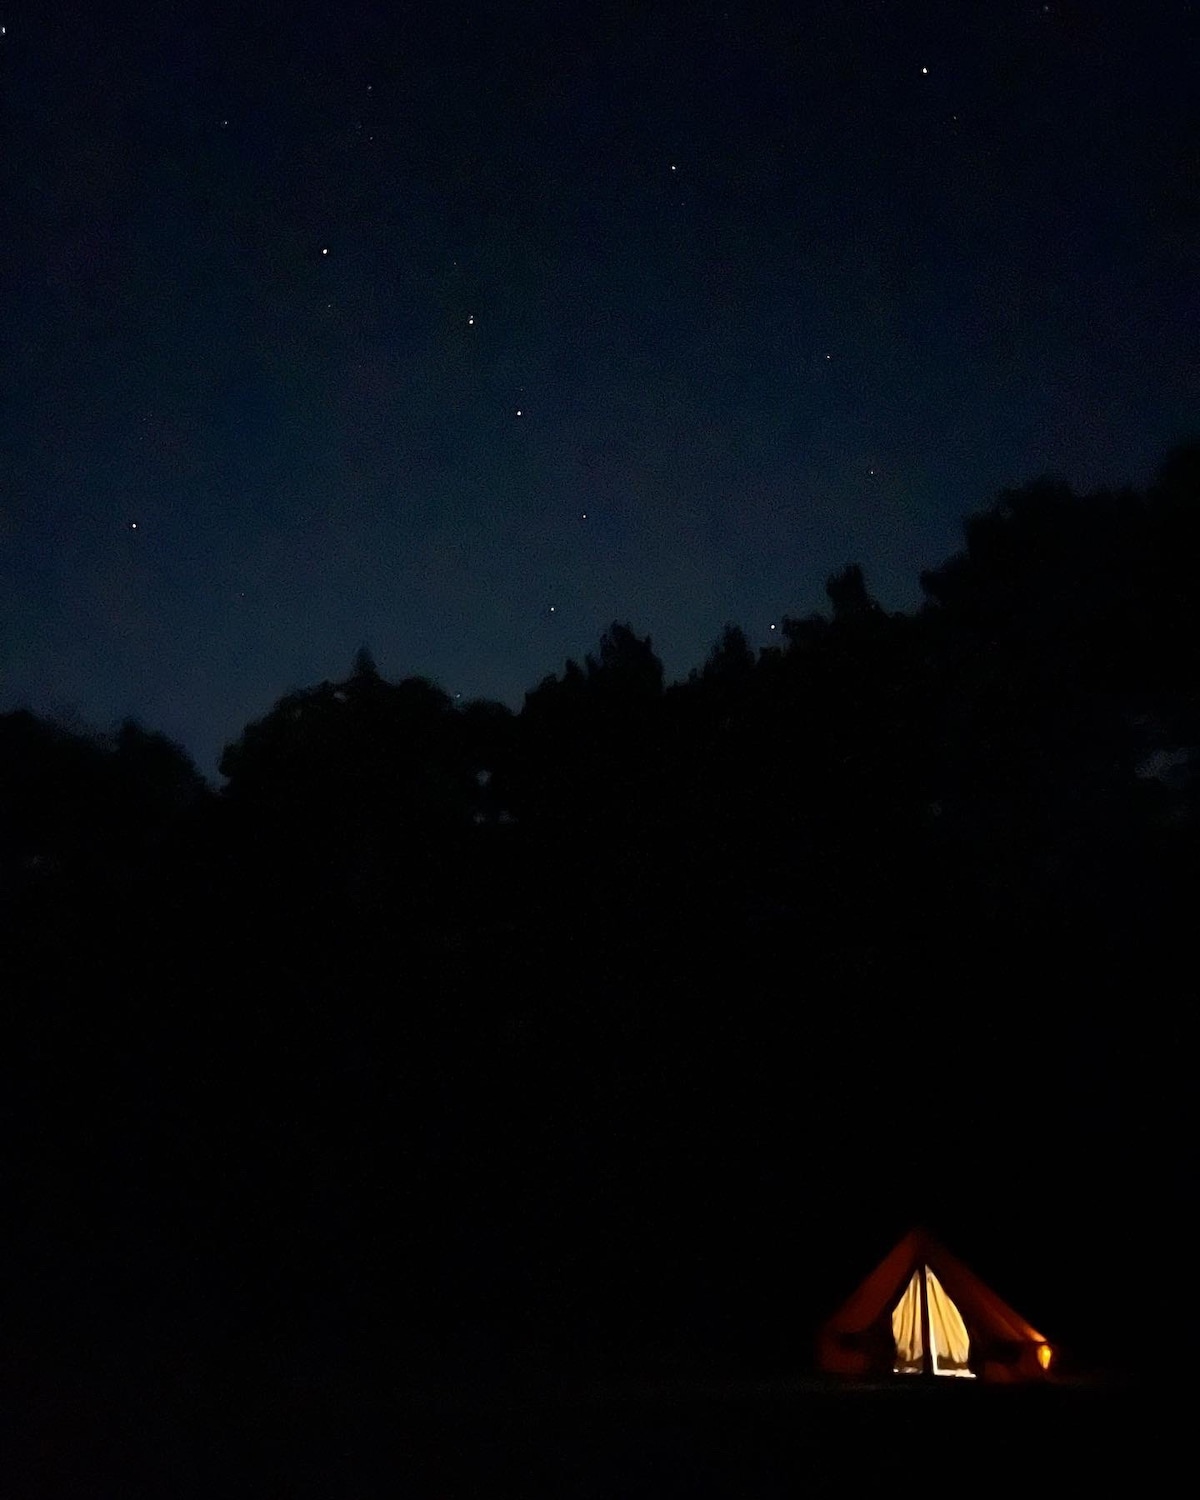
column 1044, row 1355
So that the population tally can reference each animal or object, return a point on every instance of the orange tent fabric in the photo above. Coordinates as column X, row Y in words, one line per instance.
column 859, row 1339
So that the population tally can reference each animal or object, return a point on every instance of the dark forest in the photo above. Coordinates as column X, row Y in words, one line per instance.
column 443, row 1045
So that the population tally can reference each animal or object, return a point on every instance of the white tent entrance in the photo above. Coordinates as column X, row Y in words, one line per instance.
column 926, row 1320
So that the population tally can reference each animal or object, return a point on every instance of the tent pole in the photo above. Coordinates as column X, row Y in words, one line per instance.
column 926, row 1345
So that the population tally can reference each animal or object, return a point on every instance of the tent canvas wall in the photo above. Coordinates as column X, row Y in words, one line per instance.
column 921, row 1311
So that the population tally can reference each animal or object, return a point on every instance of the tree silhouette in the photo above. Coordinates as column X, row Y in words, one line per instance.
column 627, row 668
column 848, row 595
column 497, row 1006
column 364, row 666
column 730, row 661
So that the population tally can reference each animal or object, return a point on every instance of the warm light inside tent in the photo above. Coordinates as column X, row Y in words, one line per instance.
column 1044, row 1355
column 906, row 1329
column 949, row 1342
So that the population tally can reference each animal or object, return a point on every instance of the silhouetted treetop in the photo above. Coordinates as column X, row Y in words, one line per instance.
column 72, row 799
column 1032, row 542
column 627, row 664
column 1177, row 482
column 364, row 665
column 730, row 660
column 847, row 593
column 356, row 749
column 624, row 675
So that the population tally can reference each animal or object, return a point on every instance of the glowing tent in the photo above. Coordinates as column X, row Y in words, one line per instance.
column 921, row 1312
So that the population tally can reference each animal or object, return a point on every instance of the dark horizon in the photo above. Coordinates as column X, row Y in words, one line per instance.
column 72, row 719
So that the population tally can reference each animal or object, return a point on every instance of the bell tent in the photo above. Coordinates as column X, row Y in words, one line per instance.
column 922, row 1312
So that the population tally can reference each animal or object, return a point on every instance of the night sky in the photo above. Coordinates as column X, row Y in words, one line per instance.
column 463, row 330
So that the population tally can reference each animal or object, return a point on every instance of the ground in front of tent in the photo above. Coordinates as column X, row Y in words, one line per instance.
column 635, row 1443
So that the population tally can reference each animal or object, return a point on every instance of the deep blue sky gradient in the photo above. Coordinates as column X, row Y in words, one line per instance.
column 768, row 296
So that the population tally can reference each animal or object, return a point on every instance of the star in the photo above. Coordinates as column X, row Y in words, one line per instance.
column 519, row 411
column 471, row 321
column 133, row 525
column 324, row 252
column 924, row 70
